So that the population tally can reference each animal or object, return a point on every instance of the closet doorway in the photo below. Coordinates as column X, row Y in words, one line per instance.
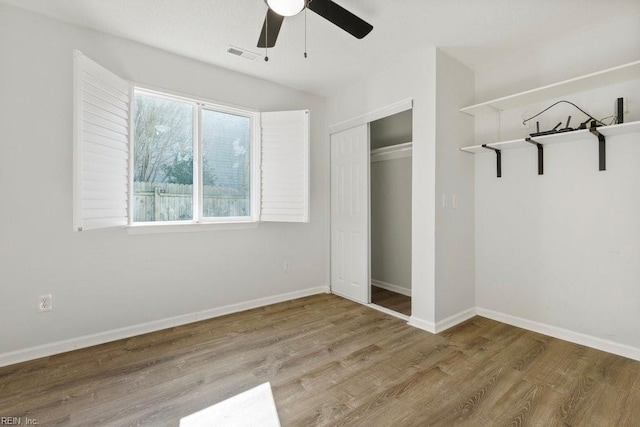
column 390, row 200
column 371, row 169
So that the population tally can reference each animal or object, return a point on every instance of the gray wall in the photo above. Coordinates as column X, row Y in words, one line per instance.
column 107, row 279
column 455, row 281
column 391, row 130
column 391, row 222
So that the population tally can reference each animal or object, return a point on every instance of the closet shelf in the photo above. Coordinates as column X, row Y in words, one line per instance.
column 391, row 152
column 630, row 71
column 621, row 129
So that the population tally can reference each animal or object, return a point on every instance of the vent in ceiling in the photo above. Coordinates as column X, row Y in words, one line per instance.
column 242, row 53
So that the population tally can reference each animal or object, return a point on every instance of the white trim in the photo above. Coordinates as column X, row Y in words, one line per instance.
column 256, row 167
column 380, row 113
column 132, row 150
column 77, row 143
column 398, row 151
column 422, row 324
column 563, row 334
column 186, row 97
column 143, row 328
column 307, row 190
column 390, row 287
column 455, row 320
column 388, row 311
column 197, row 162
column 167, row 227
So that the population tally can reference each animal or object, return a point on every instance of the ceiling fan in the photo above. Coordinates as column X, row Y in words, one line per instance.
column 329, row 10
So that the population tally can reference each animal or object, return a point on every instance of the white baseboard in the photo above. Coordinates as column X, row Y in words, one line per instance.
column 444, row 324
column 392, row 288
column 143, row 328
column 454, row 320
column 425, row 325
column 563, row 334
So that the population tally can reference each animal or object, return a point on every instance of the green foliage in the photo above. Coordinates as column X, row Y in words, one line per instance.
column 180, row 171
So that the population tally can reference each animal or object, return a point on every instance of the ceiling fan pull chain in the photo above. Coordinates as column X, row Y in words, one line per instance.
column 266, row 37
column 305, row 29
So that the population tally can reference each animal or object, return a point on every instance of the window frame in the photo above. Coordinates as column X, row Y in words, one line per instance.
column 198, row 219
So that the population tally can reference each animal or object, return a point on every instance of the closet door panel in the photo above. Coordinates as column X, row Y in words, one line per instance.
column 350, row 213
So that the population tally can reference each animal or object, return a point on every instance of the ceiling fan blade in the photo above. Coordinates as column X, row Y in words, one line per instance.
column 273, row 22
column 341, row 17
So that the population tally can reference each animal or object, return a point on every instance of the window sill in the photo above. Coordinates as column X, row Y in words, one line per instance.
column 189, row 228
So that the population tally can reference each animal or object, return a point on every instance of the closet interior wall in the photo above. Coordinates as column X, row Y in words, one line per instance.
column 390, row 184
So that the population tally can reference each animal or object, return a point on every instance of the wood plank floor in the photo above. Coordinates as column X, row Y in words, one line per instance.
column 331, row 362
column 391, row 300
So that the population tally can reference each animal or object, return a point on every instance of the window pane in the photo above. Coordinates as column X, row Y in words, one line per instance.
column 226, row 164
column 163, row 159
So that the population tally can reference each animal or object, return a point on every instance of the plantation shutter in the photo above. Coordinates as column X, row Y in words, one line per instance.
column 285, row 166
column 101, row 146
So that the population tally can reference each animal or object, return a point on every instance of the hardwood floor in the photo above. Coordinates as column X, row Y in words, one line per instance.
column 331, row 362
column 391, row 300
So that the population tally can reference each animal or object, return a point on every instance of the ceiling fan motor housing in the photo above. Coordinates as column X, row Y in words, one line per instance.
column 286, row 7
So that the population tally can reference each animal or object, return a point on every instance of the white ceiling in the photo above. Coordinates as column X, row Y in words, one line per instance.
column 473, row 31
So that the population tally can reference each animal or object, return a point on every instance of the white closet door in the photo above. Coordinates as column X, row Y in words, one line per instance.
column 350, row 213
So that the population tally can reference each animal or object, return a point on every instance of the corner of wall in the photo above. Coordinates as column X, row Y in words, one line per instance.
column 454, row 190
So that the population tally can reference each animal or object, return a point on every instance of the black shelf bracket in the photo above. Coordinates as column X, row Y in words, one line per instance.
column 602, row 151
column 540, row 155
column 498, row 159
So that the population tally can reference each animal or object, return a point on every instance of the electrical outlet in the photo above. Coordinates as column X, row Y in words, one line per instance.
column 45, row 303
column 287, row 267
column 455, row 202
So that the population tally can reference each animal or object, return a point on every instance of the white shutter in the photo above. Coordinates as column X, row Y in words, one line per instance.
column 101, row 146
column 285, row 166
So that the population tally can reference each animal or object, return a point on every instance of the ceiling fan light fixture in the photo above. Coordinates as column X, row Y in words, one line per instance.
column 286, row 7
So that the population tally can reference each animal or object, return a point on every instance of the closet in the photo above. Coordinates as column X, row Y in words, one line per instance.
column 390, row 191
column 371, row 169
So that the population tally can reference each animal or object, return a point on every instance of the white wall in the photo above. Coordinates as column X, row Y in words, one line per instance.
column 442, row 241
column 560, row 252
column 103, row 280
column 391, row 222
column 604, row 46
column 408, row 77
column 455, row 283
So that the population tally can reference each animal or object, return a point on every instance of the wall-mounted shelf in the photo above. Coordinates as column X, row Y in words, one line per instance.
column 612, row 130
column 622, row 73
column 605, row 131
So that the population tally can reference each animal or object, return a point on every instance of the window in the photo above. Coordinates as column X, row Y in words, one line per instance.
column 173, row 138
column 226, row 164
column 162, row 159
column 146, row 158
